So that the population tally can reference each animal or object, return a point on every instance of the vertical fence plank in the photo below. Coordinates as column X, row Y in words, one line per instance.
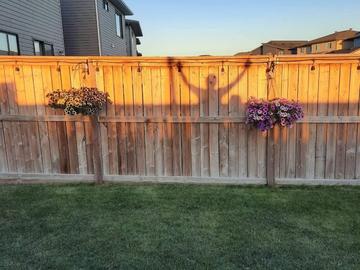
column 204, row 128
column 271, row 134
column 234, row 108
column 119, row 104
column 131, row 127
column 243, row 130
column 195, row 128
column 22, row 105
column 149, row 127
column 60, row 126
column 331, row 131
column 15, row 130
column 342, row 128
column 70, row 126
column 175, row 78
column 253, row 134
column 157, row 112
column 261, row 138
column 283, row 131
column 111, row 127
column 291, row 132
column 95, row 136
column 43, row 131
column 103, row 126
column 303, row 129
column 312, row 111
column 323, row 98
column 224, row 88
column 52, row 127
column 214, row 128
column 185, row 128
column 4, row 167
column 88, row 79
column 140, row 129
column 352, row 129
column 277, row 92
column 166, row 111
column 76, row 81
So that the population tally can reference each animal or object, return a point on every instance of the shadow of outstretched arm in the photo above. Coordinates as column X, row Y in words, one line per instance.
column 228, row 87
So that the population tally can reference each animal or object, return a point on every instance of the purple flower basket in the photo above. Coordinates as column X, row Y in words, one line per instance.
column 264, row 115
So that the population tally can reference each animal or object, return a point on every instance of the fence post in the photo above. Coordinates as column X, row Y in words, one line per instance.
column 270, row 159
column 97, row 151
column 270, row 141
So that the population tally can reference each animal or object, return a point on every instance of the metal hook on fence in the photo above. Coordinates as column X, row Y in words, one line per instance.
column 139, row 68
column 179, row 67
column 270, row 70
column 313, row 65
column 222, row 67
column 87, row 67
column 58, row 68
column 97, row 67
column 358, row 67
column 17, row 67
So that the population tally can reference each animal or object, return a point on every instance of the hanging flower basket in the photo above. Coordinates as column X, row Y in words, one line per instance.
column 259, row 114
column 264, row 115
column 84, row 101
column 286, row 113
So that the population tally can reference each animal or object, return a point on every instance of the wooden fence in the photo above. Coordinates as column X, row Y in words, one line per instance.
column 181, row 120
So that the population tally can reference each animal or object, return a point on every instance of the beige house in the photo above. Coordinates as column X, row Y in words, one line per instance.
column 338, row 42
column 274, row 47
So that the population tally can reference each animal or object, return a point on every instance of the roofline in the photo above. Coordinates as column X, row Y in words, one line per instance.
column 318, row 41
column 280, row 47
column 136, row 27
column 120, row 5
column 352, row 38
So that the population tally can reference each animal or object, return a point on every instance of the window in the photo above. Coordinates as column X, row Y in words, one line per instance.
column 119, row 25
column 106, row 5
column 43, row 49
column 329, row 45
column 8, row 44
column 357, row 42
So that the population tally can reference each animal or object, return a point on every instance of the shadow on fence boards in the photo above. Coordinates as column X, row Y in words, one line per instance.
column 181, row 120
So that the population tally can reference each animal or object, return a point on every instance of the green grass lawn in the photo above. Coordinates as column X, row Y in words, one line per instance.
column 178, row 227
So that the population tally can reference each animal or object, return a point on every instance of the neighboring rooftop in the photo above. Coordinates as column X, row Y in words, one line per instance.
column 356, row 36
column 135, row 25
column 341, row 35
column 284, row 44
column 278, row 44
column 120, row 5
column 343, row 51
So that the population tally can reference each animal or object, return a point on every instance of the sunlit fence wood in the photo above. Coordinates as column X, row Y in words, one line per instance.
column 181, row 120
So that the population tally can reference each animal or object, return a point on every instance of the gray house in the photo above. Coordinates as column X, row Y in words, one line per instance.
column 98, row 27
column 133, row 32
column 31, row 27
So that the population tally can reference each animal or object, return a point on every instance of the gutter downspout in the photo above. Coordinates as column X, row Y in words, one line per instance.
column 98, row 27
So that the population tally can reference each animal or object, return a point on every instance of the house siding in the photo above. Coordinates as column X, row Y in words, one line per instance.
column 131, row 42
column 324, row 47
column 80, row 27
column 111, row 44
column 33, row 20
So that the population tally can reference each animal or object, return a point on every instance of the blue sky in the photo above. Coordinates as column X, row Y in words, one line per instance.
column 225, row 27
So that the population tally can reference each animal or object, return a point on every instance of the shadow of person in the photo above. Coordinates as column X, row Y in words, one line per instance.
column 212, row 81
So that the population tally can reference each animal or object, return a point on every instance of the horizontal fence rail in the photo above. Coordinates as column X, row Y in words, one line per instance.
column 181, row 120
